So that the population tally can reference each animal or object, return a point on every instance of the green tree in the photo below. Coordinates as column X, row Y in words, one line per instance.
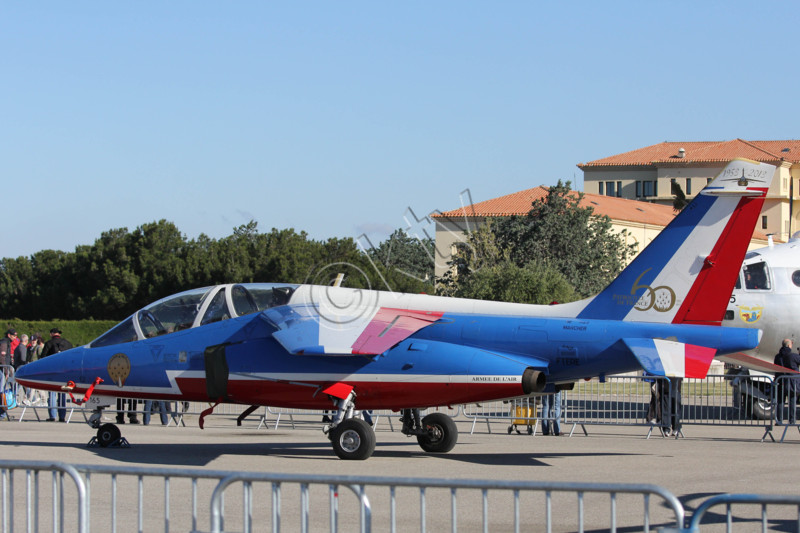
column 507, row 282
column 404, row 256
column 560, row 233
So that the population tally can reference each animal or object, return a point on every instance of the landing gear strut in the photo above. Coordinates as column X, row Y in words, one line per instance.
column 352, row 438
column 436, row 433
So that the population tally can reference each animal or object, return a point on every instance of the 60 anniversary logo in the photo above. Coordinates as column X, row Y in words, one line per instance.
column 660, row 299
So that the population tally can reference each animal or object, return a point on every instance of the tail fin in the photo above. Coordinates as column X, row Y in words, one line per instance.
column 687, row 274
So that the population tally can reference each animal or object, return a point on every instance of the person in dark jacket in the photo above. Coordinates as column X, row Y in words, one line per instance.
column 6, row 360
column 787, row 383
column 57, row 399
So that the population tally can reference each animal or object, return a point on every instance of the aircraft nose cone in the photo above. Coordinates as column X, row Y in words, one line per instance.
column 23, row 371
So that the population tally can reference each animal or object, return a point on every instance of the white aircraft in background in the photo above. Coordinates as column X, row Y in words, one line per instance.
column 766, row 297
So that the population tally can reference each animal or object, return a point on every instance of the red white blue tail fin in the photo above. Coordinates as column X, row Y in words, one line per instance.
column 687, row 274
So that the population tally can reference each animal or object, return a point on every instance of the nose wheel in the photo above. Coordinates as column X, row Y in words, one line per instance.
column 109, row 436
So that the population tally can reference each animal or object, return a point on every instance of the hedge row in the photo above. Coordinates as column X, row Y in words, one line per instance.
column 77, row 332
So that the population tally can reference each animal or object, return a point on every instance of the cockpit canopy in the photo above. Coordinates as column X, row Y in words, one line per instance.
column 196, row 307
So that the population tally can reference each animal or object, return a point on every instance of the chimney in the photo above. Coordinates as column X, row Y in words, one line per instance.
column 681, row 153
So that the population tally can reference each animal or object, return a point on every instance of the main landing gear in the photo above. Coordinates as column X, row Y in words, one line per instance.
column 436, row 433
column 354, row 439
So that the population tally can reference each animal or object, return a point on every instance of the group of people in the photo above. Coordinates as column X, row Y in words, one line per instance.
column 17, row 350
column 130, row 407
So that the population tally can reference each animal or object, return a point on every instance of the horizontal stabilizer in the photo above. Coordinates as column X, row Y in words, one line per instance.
column 673, row 359
column 754, row 363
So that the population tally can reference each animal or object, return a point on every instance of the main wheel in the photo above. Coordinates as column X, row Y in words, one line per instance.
column 440, row 435
column 353, row 439
column 108, row 434
column 762, row 409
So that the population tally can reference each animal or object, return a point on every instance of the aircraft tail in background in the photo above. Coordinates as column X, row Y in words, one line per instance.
column 687, row 273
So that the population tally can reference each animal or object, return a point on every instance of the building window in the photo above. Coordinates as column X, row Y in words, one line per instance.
column 610, row 189
column 764, row 222
column 648, row 188
column 638, row 189
column 619, row 189
column 688, row 186
column 600, row 189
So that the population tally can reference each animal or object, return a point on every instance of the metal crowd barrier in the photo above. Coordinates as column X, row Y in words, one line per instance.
column 112, row 498
column 759, row 500
column 634, row 401
column 729, row 399
column 784, row 398
column 51, row 496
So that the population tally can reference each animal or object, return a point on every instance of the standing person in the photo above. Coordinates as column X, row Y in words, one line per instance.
column 654, row 407
column 35, row 350
column 130, row 406
column 35, row 396
column 6, row 360
column 57, row 399
column 669, row 390
column 551, row 413
column 21, row 352
column 787, row 383
column 7, row 349
column 156, row 405
column 20, row 358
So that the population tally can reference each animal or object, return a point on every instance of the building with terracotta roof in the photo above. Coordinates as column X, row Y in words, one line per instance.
column 647, row 174
column 642, row 220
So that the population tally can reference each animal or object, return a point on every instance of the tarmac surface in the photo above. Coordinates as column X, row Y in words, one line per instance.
column 707, row 461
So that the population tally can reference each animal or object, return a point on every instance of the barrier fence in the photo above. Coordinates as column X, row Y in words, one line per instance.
column 730, row 399
column 38, row 496
column 116, row 498
column 42, row 496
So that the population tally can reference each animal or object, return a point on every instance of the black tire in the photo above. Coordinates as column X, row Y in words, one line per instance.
column 353, row 440
column 440, row 435
column 762, row 409
column 107, row 435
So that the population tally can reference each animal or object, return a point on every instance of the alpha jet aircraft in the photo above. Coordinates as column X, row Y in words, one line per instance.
column 319, row 347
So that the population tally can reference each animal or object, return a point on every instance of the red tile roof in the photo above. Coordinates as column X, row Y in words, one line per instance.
column 519, row 203
column 701, row 152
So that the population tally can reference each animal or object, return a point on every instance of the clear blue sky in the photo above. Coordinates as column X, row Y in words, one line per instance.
column 335, row 117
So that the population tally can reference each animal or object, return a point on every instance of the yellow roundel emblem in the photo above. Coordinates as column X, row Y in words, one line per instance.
column 750, row 315
column 119, row 367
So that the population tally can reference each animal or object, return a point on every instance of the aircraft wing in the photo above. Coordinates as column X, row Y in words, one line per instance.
column 302, row 329
column 670, row 358
column 754, row 363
